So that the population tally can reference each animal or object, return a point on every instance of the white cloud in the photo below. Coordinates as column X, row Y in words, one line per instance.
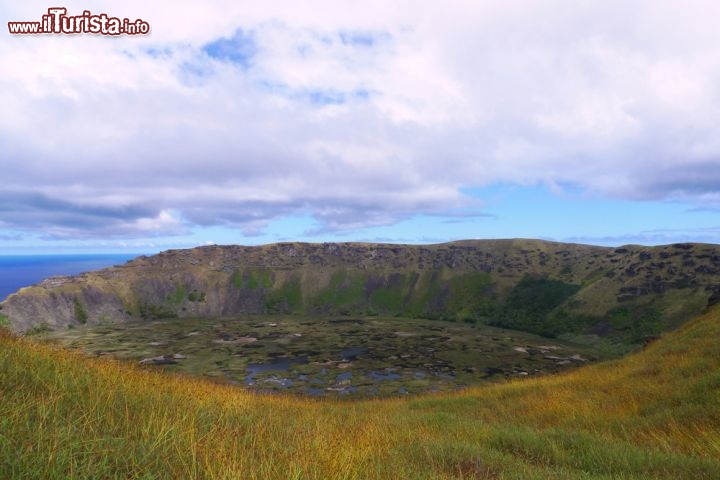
column 359, row 113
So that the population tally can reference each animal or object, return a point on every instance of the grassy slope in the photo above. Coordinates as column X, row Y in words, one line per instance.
column 655, row 414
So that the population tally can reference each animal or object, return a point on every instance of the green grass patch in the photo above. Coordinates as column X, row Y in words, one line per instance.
column 471, row 297
column 237, row 279
column 287, row 298
column 633, row 324
column 427, row 299
column 196, row 296
column 529, row 304
column 178, row 295
column 344, row 294
column 259, row 279
column 81, row 314
column 389, row 297
column 252, row 279
column 152, row 311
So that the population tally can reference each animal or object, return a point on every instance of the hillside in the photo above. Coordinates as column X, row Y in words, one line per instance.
column 627, row 294
column 654, row 414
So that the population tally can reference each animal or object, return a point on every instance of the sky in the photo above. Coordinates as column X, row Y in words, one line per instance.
column 245, row 122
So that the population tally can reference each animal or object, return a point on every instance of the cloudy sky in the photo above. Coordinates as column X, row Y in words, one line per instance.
column 404, row 121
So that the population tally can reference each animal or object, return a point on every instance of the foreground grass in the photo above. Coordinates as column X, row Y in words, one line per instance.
column 655, row 414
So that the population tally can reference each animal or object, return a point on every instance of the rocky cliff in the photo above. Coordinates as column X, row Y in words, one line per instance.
column 626, row 293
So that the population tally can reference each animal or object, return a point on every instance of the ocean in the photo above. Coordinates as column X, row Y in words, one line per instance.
column 17, row 271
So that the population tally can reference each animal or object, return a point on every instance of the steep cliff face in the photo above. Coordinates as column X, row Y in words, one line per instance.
column 538, row 286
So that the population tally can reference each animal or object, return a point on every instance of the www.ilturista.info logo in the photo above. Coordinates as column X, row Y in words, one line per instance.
column 58, row 22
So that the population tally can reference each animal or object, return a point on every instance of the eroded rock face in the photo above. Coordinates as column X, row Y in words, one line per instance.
column 52, row 305
column 469, row 281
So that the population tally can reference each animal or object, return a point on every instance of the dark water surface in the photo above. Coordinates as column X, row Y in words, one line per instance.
column 17, row 271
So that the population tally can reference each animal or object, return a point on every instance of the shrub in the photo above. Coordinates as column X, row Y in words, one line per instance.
column 80, row 313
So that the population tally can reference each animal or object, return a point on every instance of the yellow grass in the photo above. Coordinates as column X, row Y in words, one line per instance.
column 655, row 414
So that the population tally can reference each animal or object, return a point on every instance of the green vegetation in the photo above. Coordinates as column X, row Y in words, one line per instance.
column 259, row 279
column 426, row 295
column 39, row 329
column 349, row 356
column 80, row 313
column 634, row 324
column 252, row 279
column 654, row 414
column 285, row 299
column 622, row 295
column 426, row 299
column 151, row 311
column 530, row 302
column 539, row 305
column 472, row 297
column 388, row 297
column 344, row 294
column 178, row 296
column 196, row 296
column 237, row 279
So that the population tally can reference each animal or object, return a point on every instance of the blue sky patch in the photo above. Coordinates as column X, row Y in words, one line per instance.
column 159, row 52
column 238, row 49
column 360, row 38
column 326, row 97
column 194, row 73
